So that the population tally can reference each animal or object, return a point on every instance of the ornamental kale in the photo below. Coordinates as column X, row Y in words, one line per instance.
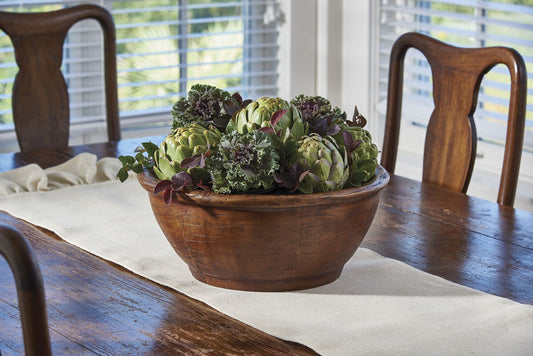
column 322, row 118
column 243, row 162
column 204, row 105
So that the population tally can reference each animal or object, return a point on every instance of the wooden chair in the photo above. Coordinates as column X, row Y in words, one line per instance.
column 30, row 291
column 40, row 99
column 450, row 146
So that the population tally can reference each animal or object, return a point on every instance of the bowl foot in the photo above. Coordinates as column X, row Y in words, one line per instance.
column 268, row 285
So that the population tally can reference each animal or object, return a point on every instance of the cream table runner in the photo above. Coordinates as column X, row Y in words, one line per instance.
column 378, row 306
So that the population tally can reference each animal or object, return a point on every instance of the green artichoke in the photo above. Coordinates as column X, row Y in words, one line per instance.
column 243, row 162
column 321, row 117
column 327, row 166
column 362, row 154
column 204, row 105
column 185, row 143
column 260, row 114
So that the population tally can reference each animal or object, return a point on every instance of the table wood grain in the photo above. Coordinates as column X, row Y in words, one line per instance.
column 98, row 307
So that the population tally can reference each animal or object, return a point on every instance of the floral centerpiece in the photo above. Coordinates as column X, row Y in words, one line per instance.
column 265, row 195
column 223, row 143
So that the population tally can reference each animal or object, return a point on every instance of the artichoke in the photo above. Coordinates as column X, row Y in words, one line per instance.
column 243, row 162
column 327, row 166
column 185, row 143
column 318, row 113
column 261, row 114
column 204, row 105
column 362, row 154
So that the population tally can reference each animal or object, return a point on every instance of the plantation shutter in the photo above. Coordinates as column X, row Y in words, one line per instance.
column 465, row 23
column 163, row 48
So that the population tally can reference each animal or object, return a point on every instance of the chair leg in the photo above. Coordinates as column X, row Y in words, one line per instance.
column 30, row 291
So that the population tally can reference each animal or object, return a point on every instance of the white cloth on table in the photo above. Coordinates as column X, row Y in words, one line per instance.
column 81, row 169
column 378, row 305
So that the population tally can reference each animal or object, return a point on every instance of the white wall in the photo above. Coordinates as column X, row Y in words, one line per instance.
column 325, row 48
column 298, row 48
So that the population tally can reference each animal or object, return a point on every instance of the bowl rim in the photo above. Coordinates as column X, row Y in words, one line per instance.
column 148, row 180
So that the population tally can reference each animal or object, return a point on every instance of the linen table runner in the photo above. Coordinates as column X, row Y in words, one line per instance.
column 377, row 306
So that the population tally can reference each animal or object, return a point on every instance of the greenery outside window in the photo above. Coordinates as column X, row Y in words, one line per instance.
column 163, row 47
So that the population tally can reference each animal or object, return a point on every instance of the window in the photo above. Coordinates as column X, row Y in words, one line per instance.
column 163, row 47
column 465, row 23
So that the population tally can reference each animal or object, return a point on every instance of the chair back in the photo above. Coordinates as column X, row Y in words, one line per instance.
column 41, row 112
column 450, row 144
column 30, row 291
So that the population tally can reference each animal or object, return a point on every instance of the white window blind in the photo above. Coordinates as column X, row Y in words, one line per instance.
column 465, row 23
column 163, row 48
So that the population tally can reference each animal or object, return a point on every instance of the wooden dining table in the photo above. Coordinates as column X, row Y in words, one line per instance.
column 109, row 310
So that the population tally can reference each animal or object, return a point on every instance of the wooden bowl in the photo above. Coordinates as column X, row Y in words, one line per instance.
column 261, row 242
